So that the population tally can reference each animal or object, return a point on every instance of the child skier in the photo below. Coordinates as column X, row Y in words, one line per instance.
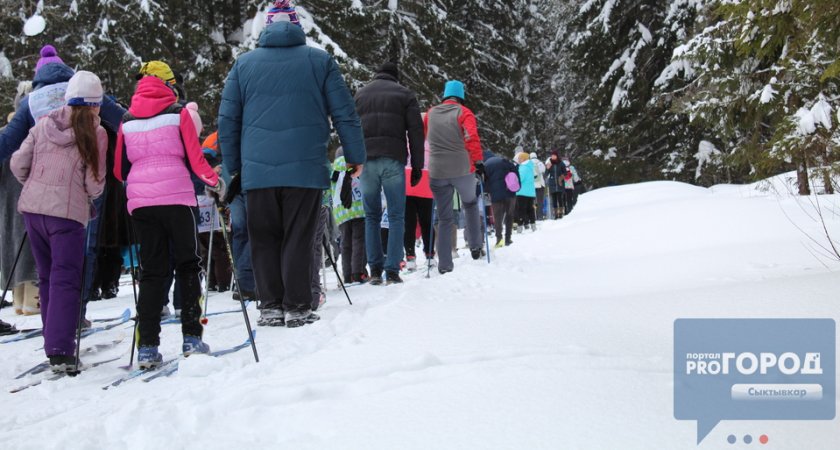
column 61, row 165
column 157, row 146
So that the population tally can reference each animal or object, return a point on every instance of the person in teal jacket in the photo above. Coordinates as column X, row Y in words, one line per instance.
column 350, row 221
column 274, row 125
column 526, row 212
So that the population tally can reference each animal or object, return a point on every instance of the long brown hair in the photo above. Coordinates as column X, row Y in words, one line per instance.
column 82, row 119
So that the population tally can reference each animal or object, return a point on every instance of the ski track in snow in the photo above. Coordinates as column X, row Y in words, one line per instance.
column 563, row 341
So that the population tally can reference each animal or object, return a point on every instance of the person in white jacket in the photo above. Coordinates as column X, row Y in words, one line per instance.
column 539, row 183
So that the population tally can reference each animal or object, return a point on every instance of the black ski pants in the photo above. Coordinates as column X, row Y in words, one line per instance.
column 281, row 228
column 161, row 231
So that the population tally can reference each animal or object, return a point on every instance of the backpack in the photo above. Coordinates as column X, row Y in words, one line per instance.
column 512, row 181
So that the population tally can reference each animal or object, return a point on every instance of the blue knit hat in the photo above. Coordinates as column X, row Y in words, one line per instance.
column 454, row 88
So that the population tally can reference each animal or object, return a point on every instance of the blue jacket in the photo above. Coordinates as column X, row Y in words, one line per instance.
column 274, row 119
column 526, row 180
column 495, row 170
column 50, row 74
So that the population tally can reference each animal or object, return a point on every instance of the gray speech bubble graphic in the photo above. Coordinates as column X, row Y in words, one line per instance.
column 753, row 369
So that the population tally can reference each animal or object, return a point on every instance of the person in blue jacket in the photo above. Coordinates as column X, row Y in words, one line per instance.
column 496, row 169
column 274, row 126
column 526, row 212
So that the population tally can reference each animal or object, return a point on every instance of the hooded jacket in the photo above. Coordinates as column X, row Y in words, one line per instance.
column 391, row 120
column 496, row 169
column 526, row 179
column 56, row 181
column 50, row 83
column 154, row 145
column 274, row 118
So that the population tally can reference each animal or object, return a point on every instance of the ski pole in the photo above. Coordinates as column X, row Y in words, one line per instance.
column 486, row 239
column 430, row 256
column 129, row 228
column 14, row 267
column 80, row 316
column 220, row 209
column 335, row 268
column 213, row 222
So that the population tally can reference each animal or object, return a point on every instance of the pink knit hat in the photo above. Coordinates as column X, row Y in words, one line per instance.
column 282, row 11
column 48, row 55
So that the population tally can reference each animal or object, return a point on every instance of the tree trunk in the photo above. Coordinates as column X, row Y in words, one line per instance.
column 802, row 179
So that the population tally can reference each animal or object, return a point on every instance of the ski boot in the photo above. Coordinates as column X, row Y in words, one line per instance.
column 194, row 344
column 148, row 358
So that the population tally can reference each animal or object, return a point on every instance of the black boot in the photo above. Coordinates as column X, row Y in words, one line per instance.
column 6, row 328
column 65, row 364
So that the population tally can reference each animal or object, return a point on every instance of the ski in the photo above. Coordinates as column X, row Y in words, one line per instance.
column 139, row 372
column 174, row 367
column 60, row 375
column 125, row 317
column 43, row 366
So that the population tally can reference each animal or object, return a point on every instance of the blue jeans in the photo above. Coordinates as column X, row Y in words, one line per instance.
column 241, row 246
column 388, row 175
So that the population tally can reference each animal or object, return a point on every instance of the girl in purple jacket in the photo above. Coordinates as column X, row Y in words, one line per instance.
column 61, row 165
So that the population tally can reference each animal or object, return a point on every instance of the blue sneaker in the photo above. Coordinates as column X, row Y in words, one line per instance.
column 194, row 344
column 149, row 357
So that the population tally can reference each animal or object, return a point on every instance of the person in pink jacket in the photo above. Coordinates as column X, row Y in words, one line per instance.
column 157, row 147
column 61, row 165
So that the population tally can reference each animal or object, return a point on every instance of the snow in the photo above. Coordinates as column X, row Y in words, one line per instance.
column 5, row 67
column 34, row 25
column 563, row 341
column 768, row 93
column 706, row 152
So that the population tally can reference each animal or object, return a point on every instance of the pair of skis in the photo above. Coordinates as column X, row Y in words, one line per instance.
column 170, row 366
column 30, row 334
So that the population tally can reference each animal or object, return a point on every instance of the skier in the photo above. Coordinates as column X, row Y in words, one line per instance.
column 556, row 171
column 525, row 209
column 391, row 120
column 349, row 214
column 503, row 197
column 539, row 183
column 61, row 165
column 274, row 129
column 24, row 283
column 569, row 184
column 157, row 146
column 418, row 208
column 454, row 157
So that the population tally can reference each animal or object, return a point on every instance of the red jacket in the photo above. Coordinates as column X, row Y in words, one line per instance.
column 468, row 128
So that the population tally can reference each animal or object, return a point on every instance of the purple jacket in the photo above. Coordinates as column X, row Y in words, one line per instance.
column 56, row 181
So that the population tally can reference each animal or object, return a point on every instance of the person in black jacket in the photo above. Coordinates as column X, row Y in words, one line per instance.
column 555, row 172
column 496, row 169
column 391, row 123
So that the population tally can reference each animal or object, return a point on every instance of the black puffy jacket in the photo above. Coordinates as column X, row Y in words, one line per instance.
column 390, row 112
column 555, row 176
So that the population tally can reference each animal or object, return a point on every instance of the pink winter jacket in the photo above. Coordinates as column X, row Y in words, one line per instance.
column 56, row 181
column 153, row 144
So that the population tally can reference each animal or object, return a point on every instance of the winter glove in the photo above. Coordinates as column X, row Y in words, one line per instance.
column 479, row 167
column 234, row 189
column 218, row 191
column 346, row 194
column 416, row 175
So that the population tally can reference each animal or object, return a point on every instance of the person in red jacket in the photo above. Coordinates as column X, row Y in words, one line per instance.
column 418, row 208
column 454, row 157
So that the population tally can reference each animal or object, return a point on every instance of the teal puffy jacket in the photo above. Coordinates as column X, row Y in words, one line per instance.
column 274, row 119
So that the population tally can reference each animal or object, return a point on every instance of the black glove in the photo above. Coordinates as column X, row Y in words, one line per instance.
column 346, row 194
column 416, row 175
column 479, row 167
column 233, row 189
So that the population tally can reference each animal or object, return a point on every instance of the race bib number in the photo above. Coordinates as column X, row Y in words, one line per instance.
column 206, row 214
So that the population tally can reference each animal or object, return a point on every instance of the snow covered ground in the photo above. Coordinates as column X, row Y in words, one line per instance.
column 565, row 341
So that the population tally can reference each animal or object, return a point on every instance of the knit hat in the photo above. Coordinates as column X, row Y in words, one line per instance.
column 157, row 69
column 533, row 155
column 522, row 157
column 282, row 11
column 454, row 88
column 48, row 55
column 84, row 89
column 389, row 68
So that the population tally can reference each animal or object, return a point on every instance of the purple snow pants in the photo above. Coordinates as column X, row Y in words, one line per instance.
column 58, row 247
